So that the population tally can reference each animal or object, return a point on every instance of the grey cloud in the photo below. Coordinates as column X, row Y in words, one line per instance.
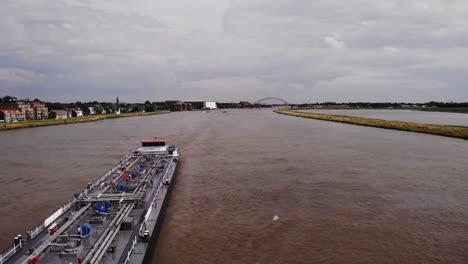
column 234, row 50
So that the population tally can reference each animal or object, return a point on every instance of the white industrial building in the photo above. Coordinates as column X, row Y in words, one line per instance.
column 209, row 105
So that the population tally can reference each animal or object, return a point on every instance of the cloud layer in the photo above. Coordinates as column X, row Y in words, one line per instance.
column 300, row 50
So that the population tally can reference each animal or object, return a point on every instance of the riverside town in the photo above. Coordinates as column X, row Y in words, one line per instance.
column 17, row 110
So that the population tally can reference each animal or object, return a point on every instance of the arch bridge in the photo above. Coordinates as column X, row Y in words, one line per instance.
column 261, row 101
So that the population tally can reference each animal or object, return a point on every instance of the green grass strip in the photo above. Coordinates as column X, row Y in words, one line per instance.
column 440, row 130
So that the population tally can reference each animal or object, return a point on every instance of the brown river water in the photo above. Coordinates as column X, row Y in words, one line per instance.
column 342, row 193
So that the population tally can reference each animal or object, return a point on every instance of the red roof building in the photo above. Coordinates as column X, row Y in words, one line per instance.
column 11, row 115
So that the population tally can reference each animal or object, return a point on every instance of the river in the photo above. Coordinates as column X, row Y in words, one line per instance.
column 342, row 193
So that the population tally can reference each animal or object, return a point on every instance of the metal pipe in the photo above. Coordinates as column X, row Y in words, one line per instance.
column 109, row 238
column 61, row 230
column 91, row 252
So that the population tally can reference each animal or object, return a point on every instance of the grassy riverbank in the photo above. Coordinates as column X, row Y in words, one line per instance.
column 441, row 130
column 52, row 122
column 462, row 110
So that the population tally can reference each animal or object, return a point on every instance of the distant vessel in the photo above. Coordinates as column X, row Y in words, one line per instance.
column 116, row 219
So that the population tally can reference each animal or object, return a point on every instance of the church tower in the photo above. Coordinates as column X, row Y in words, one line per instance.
column 117, row 103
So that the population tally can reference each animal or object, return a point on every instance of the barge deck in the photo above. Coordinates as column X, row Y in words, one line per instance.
column 116, row 219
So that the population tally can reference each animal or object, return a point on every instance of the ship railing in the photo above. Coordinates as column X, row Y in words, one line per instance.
column 34, row 232
column 148, row 213
column 153, row 202
column 150, row 208
column 9, row 252
column 129, row 253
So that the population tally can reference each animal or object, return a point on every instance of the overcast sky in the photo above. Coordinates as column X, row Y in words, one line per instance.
column 299, row 50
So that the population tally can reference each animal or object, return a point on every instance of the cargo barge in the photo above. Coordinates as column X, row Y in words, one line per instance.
column 116, row 219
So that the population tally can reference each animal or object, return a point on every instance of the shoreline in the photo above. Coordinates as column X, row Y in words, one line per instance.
column 439, row 130
column 74, row 120
column 455, row 110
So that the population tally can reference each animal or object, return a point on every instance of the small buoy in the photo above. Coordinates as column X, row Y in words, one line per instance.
column 275, row 218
